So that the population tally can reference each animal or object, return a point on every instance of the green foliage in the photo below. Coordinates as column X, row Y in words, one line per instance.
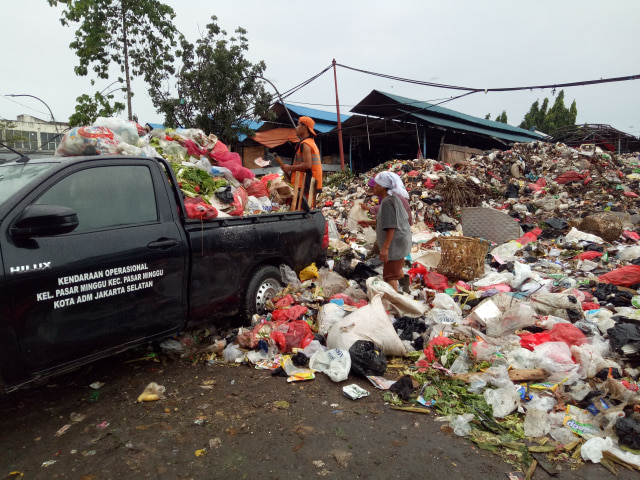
column 132, row 34
column 346, row 176
column 550, row 120
column 216, row 86
column 89, row 108
column 5, row 125
column 502, row 118
column 487, row 116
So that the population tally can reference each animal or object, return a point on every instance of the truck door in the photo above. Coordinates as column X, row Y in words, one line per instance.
column 119, row 277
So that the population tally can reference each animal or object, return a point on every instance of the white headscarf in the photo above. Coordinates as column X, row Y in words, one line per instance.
column 393, row 183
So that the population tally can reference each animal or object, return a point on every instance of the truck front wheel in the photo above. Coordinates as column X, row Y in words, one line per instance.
column 262, row 287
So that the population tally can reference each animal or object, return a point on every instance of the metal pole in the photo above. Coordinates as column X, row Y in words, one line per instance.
column 279, row 96
column 45, row 104
column 335, row 78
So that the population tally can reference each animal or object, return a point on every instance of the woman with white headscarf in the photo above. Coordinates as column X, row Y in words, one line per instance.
column 392, row 226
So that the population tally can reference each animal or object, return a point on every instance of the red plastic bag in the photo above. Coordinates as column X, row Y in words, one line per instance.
column 197, row 208
column 590, row 306
column 285, row 301
column 240, row 199
column 290, row 335
column 256, row 189
column 233, row 162
column 436, row 281
column 589, row 255
column 631, row 235
column 567, row 333
column 624, row 276
column 567, row 177
column 531, row 341
column 430, row 354
column 286, row 314
column 417, row 269
column 350, row 301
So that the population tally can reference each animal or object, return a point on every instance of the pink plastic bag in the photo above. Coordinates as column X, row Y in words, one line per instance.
column 567, row 333
column 624, row 276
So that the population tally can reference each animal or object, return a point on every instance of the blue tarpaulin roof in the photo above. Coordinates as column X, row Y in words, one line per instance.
column 328, row 117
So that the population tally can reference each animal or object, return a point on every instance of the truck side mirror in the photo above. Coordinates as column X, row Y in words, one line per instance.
column 44, row 220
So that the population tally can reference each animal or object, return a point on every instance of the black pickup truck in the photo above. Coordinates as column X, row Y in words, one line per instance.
column 97, row 255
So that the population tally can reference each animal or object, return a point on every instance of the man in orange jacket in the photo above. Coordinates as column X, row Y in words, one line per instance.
column 307, row 157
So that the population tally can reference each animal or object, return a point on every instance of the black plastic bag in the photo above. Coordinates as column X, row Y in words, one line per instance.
column 407, row 326
column 403, row 388
column 625, row 335
column 557, row 223
column 628, row 431
column 512, row 191
column 361, row 272
column 367, row 359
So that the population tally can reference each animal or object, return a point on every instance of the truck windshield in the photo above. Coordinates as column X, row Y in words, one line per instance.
column 15, row 176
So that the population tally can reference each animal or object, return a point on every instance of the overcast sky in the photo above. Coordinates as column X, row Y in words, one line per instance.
column 472, row 43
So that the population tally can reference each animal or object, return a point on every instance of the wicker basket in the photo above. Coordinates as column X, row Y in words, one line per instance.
column 462, row 257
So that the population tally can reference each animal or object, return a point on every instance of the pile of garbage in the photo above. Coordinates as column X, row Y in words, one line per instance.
column 210, row 176
column 533, row 354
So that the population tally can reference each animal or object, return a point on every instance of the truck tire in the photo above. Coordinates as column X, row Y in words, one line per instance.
column 263, row 286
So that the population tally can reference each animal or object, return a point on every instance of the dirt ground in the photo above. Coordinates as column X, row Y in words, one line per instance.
column 232, row 422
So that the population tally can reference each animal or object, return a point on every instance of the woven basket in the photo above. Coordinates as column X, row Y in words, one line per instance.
column 462, row 257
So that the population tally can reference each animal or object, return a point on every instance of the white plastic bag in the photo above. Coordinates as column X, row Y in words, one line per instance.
column 126, row 129
column 522, row 271
column 336, row 363
column 502, row 400
column 329, row 314
column 356, row 214
column 554, row 357
column 370, row 322
column 536, row 423
column 461, row 424
column 444, row 301
column 395, row 302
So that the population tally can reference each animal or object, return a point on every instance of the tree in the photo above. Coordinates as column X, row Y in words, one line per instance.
column 487, row 116
column 553, row 119
column 4, row 126
column 216, row 87
column 90, row 108
column 136, row 35
column 502, row 118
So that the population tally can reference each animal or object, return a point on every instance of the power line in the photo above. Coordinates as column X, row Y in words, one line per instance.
column 486, row 90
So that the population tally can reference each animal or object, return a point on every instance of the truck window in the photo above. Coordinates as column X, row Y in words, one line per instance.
column 14, row 177
column 106, row 197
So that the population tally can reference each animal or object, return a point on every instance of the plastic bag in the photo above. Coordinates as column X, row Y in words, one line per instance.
column 461, row 424
column 435, row 281
column 502, row 400
column 88, row 141
column 522, row 273
column 232, row 353
column 518, row 316
column 536, row 423
column 289, row 277
column 370, row 322
column 444, row 301
column 290, row 335
column 125, row 129
column 367, row 359
column 554, row 357
column 336, row 363
column 255, row 188
column 331, row 282
column 309, row 272
column 396, row 303
column 356, row 214
column 567, row 333
column 197, row 208
column 152, row 392
column 628, row 432
column 232, row 161
column 623, row 276
column 329, row 315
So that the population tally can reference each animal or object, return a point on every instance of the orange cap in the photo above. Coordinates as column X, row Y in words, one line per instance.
column 309, row 123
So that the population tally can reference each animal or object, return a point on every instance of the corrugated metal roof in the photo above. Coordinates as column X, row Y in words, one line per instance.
column 384, row 105
column 253, row 125
column 510, row 137
column 316, row 114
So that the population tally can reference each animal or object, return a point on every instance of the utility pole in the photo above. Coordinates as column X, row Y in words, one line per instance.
column 335, row 78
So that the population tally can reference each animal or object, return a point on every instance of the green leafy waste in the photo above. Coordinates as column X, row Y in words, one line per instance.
column 194, row 181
